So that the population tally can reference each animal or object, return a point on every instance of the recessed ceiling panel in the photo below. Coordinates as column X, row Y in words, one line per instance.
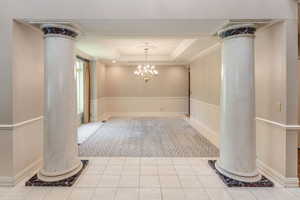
column 122, row 39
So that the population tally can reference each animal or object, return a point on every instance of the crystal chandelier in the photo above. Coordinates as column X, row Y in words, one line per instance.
column 146, row 71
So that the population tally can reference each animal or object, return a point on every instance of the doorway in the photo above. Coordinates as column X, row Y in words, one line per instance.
column 82, row 89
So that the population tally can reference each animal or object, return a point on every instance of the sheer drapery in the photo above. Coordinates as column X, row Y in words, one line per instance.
column 86, row 110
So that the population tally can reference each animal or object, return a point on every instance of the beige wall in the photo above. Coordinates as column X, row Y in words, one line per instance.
column 206, row 77
column 269, row 72
column 276, row 93
column 28, row 66
column 101, row 79
column 205, row 93
column 171, row 82
column 101, row 84
column 274, row 79
column 269, row 44
column 22, row 148
column 120, row 92
column 28, row 72
column 6, row 89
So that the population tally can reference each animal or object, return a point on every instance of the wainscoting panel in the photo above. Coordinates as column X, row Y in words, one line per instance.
column 28, row 148
column 23, row 150
column 142, row 106
column 205, row 118
column 272, row 153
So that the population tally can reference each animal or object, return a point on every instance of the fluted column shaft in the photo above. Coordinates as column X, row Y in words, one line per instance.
column 60, row 121
column 237, row 129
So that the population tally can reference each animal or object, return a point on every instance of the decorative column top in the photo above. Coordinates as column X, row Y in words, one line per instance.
column 237, row 30
column 59, row 30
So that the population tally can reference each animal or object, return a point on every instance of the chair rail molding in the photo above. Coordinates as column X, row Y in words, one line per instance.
column 284, row 126
column 12, row 126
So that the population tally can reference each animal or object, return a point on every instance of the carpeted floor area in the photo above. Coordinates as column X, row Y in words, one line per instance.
column 87, row 130
column 147, row 137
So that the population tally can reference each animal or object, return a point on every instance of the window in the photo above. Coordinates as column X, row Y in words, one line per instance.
column 79, row 67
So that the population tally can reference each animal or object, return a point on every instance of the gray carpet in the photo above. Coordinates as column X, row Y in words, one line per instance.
column 147, row 137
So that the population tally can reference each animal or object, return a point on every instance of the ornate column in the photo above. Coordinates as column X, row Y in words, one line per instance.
column 60, row 122
column 237, row 140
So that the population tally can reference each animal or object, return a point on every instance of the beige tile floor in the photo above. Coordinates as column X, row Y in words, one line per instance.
column 148, row 179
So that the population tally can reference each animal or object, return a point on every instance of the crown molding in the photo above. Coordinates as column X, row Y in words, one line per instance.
column 205, row 51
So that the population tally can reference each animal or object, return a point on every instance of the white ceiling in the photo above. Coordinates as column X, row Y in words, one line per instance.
column 176, row 41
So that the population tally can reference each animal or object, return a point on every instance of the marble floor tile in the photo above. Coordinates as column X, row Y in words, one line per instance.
column 218, row 194
column 164, row 161
column 294, row 191
column 132, row 161
column 169, row 182
column 184, row 170
column 95, row 169
column 241, row 193
column 127, row 194
column 117, row 161
column 109, row 181
column 129, row 181
column 149, row 170
column 131, row 170
column 81, row 193
column 104, row 194
column 190, row 182
column 149, row 181
column 113, row 170
column 272, row 194
column 180, row 161
column 167, row 170
column 211, row 181
column 148, row 161
column 59, row 193
column 37, row 193
column 88, row 180
column 173, row 194
column 150, row 194
column 196, row 194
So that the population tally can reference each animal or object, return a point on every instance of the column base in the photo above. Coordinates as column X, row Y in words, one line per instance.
column 237, row 181
column 51, row 177
column 250, row 178
column 67, row 179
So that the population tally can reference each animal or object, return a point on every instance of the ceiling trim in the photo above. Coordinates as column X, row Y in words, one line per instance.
column 182, row 47
column 205, row 51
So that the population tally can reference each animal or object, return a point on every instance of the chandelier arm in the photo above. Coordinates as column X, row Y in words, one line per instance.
column 145, row 71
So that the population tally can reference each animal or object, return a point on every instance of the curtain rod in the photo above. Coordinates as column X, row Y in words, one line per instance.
column 81, row 58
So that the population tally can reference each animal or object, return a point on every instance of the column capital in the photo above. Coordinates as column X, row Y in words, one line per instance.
column 59, row 30
column 237, row 30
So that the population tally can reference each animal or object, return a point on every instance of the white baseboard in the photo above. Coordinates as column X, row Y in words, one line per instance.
column 29, row 170
column 274, row 175
column 211, row 135
column 6, row 181
column 142, row 114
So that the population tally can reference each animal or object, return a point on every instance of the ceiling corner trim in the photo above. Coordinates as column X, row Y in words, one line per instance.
column 205, row 52
column 182, row 47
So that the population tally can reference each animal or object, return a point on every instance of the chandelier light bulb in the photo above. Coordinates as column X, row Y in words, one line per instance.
column 146, row 71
